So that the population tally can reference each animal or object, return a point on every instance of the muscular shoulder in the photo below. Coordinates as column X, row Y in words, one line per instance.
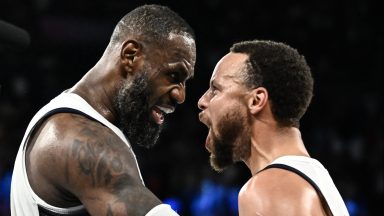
column 70, row 151
column 63, row 128
column 80, row 157
column 60, row 134
column 278, row 192
column 67, row 126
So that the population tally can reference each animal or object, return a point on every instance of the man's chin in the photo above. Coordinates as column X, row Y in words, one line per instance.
column 146, row 138
column 219, row 165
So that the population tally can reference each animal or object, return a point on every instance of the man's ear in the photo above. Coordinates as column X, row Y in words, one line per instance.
column 258, row 100
column 130, row 55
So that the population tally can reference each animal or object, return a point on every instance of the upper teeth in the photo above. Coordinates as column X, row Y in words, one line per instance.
column 166, row 110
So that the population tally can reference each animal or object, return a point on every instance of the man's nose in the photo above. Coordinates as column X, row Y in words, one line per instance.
column 203, row 103
column 178, row 94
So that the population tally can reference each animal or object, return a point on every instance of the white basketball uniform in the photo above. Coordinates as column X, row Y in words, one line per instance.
column 24, row 201
column 314, row 173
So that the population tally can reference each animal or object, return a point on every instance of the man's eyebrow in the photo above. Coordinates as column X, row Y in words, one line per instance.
column 185, row 67
column 235, row 79
column 214, row 83
column 181, row 69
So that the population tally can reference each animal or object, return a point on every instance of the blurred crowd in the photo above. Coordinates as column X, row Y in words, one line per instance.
column 343, row 127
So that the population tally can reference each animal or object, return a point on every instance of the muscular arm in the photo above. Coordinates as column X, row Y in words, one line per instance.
column 91, row 163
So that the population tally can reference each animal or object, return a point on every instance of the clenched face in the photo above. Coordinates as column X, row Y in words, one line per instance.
column 158, row 87
column 224, row 112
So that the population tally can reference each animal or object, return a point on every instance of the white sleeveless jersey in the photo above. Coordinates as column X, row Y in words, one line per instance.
column 314, row 172
column 23, row 199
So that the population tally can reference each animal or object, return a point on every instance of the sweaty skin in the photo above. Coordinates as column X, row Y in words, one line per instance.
column 72, row 160
column 279, row 192
column 258, row 142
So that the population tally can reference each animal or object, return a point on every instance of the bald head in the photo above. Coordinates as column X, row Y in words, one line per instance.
column 152, row 23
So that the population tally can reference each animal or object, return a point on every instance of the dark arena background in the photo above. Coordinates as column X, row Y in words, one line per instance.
column 343, row 128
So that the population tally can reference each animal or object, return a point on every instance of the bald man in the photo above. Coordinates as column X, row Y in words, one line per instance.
column 76, row 156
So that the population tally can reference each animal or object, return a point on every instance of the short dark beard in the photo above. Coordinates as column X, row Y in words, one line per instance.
column 134, row 112
column 232, row 144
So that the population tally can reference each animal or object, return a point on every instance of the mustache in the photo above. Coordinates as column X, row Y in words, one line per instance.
column 204, row 119
column 167, row 103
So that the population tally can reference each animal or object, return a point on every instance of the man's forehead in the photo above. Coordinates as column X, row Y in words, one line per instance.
column 182, row 37
column 229, row 66
column 181, row 43
column 233, row 60
column 182, row 50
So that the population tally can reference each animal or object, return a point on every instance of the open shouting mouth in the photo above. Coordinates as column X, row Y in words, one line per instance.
column 159, row 111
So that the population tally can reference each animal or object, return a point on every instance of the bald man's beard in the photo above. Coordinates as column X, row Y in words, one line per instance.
column 135, row 113
column 232, row 142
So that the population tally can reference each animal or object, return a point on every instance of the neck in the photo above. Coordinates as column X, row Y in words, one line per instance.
column 271, row 142
column 98, row 88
